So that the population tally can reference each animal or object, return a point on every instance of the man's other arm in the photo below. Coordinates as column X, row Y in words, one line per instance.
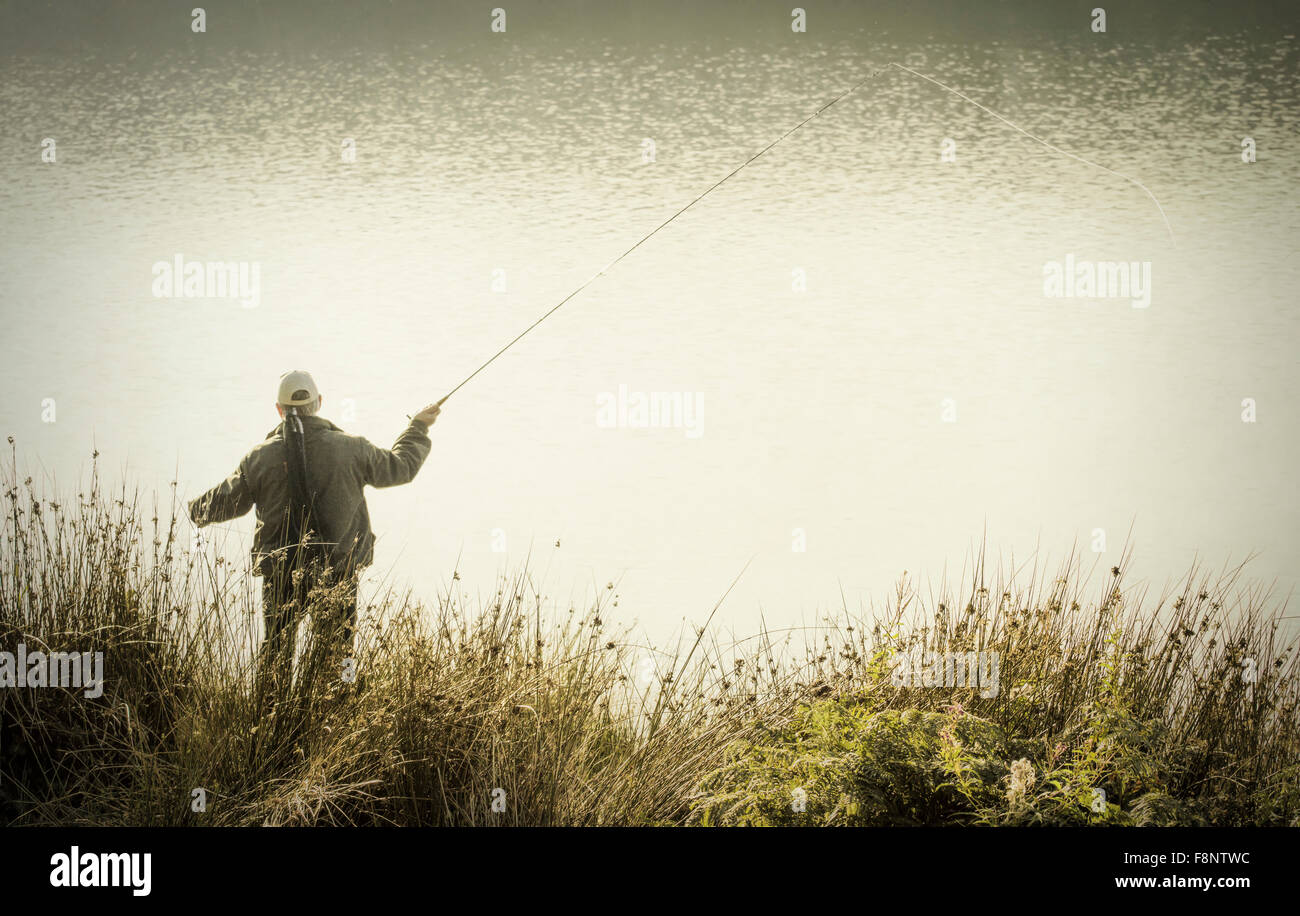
column 226, row 501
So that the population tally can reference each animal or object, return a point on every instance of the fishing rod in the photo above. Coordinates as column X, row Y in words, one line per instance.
column 649, row 235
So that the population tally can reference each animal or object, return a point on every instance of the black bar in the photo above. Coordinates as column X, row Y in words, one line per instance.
column 213, row 866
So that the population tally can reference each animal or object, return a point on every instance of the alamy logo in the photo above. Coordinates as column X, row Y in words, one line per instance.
column 53, row 669
column 654, row 409
column 1098, row 280
column 104, row 869
column 181, row 279
column 979, row 670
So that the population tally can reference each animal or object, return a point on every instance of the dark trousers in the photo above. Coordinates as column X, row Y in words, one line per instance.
column 329, row 595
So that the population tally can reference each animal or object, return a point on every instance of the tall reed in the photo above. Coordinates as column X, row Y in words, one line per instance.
column 516, row 711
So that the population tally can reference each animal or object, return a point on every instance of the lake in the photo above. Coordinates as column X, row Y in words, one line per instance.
column 855, row 367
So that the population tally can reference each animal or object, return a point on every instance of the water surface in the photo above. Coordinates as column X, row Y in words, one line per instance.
column 823, row 409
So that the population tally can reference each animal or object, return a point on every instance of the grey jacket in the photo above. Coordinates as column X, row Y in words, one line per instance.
column 339, row 467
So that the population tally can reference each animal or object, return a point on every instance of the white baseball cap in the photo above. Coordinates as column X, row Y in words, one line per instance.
column 297, row 389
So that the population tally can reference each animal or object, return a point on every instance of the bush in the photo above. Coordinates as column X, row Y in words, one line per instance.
column 520, row 713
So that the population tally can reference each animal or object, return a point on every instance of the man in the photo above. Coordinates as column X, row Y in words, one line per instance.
column 307, row 481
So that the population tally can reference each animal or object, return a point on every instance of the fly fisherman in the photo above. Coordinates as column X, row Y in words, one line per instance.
column 307, row 480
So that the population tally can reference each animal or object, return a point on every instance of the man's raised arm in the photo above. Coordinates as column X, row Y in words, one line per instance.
column 399, row 465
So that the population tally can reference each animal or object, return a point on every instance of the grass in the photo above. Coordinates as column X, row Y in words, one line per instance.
column 1114, row 709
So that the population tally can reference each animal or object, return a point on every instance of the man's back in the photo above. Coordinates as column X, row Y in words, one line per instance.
column 339, row 467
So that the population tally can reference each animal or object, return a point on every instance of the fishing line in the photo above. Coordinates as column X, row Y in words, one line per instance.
column 765, row 149
column 1048, row 145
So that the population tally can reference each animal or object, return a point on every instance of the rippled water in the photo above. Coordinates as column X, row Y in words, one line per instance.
column 822, row 409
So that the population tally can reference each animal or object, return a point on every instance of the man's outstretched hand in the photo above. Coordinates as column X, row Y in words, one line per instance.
column 428, row 414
